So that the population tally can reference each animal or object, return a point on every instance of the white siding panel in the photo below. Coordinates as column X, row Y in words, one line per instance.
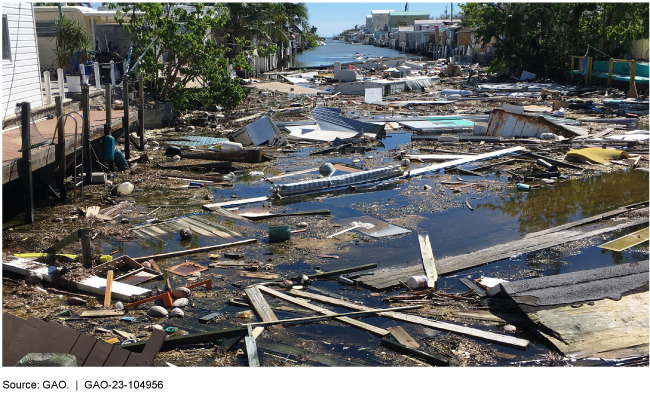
column 21, row 77
column 8, row 83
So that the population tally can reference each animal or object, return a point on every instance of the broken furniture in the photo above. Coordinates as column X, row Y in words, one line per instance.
column 126, row 271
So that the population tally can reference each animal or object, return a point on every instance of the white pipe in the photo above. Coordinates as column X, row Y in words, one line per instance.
column 82, row 72
column 98, row 78
column 48, row 88
column 112, row 73
column 59, row 73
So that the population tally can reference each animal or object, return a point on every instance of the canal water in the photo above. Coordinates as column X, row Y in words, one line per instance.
column 334, row 51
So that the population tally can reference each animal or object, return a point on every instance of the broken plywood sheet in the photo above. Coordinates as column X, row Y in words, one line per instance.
column 380, row 229
column 186, row 268
column 92, row 284
column 608, row 329
column 627, row 241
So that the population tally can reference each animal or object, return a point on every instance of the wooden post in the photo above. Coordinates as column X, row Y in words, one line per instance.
column 141, row 111
column 109, row 288
column 87, row 162
column 86, row 252
column 58, row 101
column 27, row 162
column 590, row 67
column 632, row 72
column 428, row 260
column 125, row 119
column 609, row 75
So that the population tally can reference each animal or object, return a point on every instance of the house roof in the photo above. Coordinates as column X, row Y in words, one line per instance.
column 381, row 11
column 408, row 13
column 428, row 21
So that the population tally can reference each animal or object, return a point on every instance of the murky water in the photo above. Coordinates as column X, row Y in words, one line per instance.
column 340, row 51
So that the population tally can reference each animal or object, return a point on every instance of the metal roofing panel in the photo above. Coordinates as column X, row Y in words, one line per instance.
column 330, row 119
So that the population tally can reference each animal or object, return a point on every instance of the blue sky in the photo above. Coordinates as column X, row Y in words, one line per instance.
column 334, row 17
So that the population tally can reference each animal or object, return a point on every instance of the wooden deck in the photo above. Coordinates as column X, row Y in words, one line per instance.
column 20, row 337
column 45, row 155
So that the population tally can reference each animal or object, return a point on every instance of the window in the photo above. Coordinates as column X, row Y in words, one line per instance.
column 45, row 29
column 6, row 46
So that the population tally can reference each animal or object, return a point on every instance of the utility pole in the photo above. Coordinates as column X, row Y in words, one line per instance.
column 452, row 13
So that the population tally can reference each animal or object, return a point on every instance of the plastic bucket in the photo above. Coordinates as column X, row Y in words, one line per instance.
column 523, row 187
column 279, row 233
column 416, row 282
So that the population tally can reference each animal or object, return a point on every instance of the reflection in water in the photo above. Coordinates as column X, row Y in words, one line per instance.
column 571, row 200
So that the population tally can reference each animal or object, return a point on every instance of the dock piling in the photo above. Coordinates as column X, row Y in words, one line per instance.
column 61, row 175
column 87, row 160
column 28, row 188
column 125, row 119
column 141, row 111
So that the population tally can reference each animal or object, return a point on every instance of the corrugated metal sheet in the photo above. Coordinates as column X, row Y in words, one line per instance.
column 330, row 119
column 199, row 225
column 256, row 133
column 337, row 181
column 507, row 124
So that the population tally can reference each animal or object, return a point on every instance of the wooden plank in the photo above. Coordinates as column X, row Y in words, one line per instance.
column 364, row 326
column 628, row 241
column 403, row 337
column 72, row 237
column 152, row 348
column 132, row 360
column 197, row 338
column 428, row 260
column 82, row 348
column 487, row 315
column 478, row 290
column 235, row 202
column 102, row 313
column 435, row 359
column 231, row 341
column 324, row 360
column 472, row 332
column 154, row 265
column 609, row 329
column 26, row 339
column 60, row 338
column 260, row 275
column 343, row 271
column 251, row 352
column 11, row 324
column 117, row 357
column 193, row 251
column 98, row 355
column 208, row 318
column 322, row 317
column 264, row 312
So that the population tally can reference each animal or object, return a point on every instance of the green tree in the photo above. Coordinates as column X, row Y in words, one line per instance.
column 181, row 32
column 540, row 37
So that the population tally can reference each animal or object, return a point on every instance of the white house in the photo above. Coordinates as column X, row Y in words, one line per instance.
column 380, row 19
column 21, row 77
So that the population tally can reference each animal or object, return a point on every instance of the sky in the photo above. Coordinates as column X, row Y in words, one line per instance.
column 332, row 18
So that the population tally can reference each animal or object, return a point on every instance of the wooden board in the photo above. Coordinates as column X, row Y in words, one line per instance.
column 608, row 329
column 197, row 338
column 98, row 355
column 428, row 260
column 264, row 312
column 193, row 251
column 251, row 352
column 151, row 349
column 186, row 268
column 364, row 326
column 385, row 279
column 260, row 275
column 628, row 241
column 102, row 313
column 403, row 337
column 82, row 348
column 118, row 357
column 472, row 332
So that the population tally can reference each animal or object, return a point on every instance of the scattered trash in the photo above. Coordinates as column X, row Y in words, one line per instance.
column 125, row 188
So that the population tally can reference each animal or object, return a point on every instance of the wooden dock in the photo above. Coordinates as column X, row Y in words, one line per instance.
column 20, row 337
column 46, row 155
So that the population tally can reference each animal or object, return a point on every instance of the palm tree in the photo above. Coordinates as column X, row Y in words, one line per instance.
column 297, row 15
